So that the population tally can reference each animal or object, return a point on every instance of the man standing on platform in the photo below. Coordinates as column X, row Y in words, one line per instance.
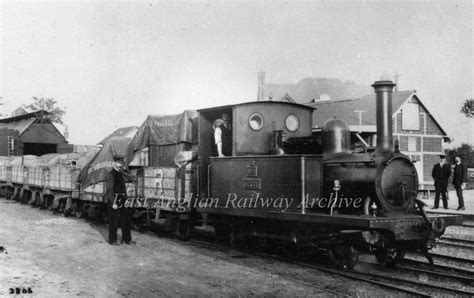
column 116, row 195
column 441, row 172
column 459, row 181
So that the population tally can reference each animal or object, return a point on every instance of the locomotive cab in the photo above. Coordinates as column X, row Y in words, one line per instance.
column 257, row 162
column 253, row 126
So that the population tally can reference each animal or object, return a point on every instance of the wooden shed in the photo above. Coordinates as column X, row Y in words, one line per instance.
column 31, row 134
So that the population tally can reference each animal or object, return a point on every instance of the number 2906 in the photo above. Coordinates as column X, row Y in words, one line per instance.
column 18, row 291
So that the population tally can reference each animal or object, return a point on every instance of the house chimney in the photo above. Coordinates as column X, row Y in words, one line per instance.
column 383, row 103
column 396, row 78
column 261, row 85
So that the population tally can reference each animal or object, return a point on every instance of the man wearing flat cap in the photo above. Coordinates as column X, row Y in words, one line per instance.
column 441, row 172
column 116, row 195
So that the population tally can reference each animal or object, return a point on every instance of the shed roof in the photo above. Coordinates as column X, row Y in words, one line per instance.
column 19, row 126
column 34, row 114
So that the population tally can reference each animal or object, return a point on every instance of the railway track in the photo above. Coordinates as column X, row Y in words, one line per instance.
column 450, row 258
column 465, row 276
column 208, row 248
column 443, row 268
column 451, row 241
column 398, row 284
column 412, row 287
column 468, row 224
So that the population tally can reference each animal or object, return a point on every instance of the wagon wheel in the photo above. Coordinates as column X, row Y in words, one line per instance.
column 78, row 210
column 42, row 201
column 23, row 196
column 104, row 215
column 389, row 257
column 185, row 229
column 223, row 232
column 100, row 215
column 344, row 256
column 15, row 194
column 32, row 197
column 68, row 206
column 50, row 203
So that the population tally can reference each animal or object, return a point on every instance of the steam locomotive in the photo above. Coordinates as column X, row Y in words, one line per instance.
column 276, row 186
column 279, row 184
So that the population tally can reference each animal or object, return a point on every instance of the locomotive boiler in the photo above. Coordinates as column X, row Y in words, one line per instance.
column 385, row 179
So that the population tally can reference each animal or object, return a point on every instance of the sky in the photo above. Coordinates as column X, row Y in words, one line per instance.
column 110, row 64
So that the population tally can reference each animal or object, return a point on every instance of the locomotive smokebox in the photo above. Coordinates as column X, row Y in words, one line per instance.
column 383, row 98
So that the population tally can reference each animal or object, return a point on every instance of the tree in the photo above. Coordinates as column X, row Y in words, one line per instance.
column 50, row 105
column 467, row 108
column 465, row 152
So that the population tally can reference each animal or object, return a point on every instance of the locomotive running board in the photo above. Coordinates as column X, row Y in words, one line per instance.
column 342, row 220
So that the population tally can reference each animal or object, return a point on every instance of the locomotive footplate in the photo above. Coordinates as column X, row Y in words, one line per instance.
column 406, row 227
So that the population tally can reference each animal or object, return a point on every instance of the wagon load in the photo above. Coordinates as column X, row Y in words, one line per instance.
column 163, row 150
column 36, row 170
column 92, row 177
column 63, row 170
column 20, row 167
column 4, row 164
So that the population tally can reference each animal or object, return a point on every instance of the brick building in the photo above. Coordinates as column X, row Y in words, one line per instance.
column 419, row 134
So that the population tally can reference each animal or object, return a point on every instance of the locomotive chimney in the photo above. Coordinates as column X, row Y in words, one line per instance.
column 383, row 102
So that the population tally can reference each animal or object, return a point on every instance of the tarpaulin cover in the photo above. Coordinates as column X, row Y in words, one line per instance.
column 97, row 169
column 165, row 130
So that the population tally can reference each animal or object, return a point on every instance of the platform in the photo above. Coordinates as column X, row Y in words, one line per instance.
column 453, row 204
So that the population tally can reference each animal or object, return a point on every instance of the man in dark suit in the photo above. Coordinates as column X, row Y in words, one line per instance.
column 459, row 180
column 116, row 195
column 441, row 172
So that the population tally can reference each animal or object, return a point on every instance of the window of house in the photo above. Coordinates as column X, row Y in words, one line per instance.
column 411, row 116
column 412, row 144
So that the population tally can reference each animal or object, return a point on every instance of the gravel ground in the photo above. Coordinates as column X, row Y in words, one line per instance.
column 57, row 256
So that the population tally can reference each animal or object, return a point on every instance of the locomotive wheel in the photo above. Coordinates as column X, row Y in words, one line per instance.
column 344, row 256
column 389, row 257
